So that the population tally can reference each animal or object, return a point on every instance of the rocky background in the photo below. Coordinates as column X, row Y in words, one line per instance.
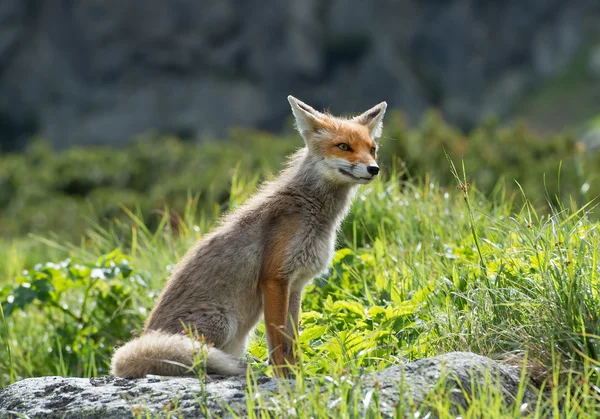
column 104, row 71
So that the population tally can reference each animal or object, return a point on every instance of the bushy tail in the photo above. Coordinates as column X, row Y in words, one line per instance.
column 167, row 354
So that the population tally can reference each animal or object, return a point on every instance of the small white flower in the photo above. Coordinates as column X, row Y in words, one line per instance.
column 585, row 187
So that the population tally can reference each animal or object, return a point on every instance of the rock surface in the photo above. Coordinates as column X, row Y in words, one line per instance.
column 103, row 71
column 109, row 397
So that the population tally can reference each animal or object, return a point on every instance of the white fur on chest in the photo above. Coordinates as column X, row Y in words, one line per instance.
column 314, row 245
column 312, row 257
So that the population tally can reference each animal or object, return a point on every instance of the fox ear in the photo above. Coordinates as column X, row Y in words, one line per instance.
column 373, row 119
column 307, row 118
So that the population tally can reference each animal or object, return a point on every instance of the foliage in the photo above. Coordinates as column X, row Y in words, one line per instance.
column 83, row 303
column 426, row 264
column 407, row 281
column 551, row 169
column 42, row 190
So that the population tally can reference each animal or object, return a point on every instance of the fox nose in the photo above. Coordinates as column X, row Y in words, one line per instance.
column 373, row 170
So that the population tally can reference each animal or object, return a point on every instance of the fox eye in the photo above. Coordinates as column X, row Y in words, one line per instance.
column 373, row 151
column 344, row 147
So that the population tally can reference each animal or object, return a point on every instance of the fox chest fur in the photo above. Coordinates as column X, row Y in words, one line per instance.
column 302, row 232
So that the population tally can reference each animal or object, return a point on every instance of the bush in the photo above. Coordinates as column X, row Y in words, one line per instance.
column 43, row 190
column 86, row 305
column 551, row 169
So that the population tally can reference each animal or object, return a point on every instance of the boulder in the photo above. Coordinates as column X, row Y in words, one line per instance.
column 108, row 397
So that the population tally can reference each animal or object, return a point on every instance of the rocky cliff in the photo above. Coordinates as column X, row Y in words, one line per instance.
column 102, row 71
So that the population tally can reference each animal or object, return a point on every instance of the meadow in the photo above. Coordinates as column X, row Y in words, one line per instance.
column 486, row 242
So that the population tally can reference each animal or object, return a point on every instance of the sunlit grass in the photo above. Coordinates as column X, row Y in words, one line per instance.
column 417, row 273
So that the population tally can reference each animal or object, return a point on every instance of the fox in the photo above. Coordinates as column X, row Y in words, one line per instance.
column 257, row 260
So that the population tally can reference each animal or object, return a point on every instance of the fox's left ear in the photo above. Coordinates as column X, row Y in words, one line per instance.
column 373, row 119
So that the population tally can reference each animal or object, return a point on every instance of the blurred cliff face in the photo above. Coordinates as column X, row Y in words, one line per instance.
column 103, row 71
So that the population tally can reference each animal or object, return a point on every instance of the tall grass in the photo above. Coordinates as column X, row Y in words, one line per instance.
column 417, row 273
column 6, row 339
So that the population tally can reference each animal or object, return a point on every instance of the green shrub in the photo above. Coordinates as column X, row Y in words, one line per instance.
column 42, row 190
column 552, row 169
column 88, row 307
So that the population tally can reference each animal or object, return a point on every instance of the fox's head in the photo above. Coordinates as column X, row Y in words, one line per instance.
column 346, row 147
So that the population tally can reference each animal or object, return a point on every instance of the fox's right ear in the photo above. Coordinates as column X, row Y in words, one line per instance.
column 373, row 119
column 308, row 119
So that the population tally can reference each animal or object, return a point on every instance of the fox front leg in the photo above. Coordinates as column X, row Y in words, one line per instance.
column 280, row 298
column 275, row 297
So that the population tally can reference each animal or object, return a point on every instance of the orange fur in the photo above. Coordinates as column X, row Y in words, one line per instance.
column 275, row 289
column 352, row 133
column 275, row 295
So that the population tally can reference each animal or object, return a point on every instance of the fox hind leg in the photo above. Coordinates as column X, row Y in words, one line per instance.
column 214, row 327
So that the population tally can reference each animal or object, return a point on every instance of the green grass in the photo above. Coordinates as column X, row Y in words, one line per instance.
column 420, row 270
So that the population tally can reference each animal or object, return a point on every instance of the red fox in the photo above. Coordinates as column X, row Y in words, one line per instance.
column 260, row 256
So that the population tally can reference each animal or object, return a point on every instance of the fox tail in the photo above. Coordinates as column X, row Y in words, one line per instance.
column 161, row 353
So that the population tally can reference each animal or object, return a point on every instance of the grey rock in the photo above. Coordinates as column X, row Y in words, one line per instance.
column 110, row 397
column 456, row 373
